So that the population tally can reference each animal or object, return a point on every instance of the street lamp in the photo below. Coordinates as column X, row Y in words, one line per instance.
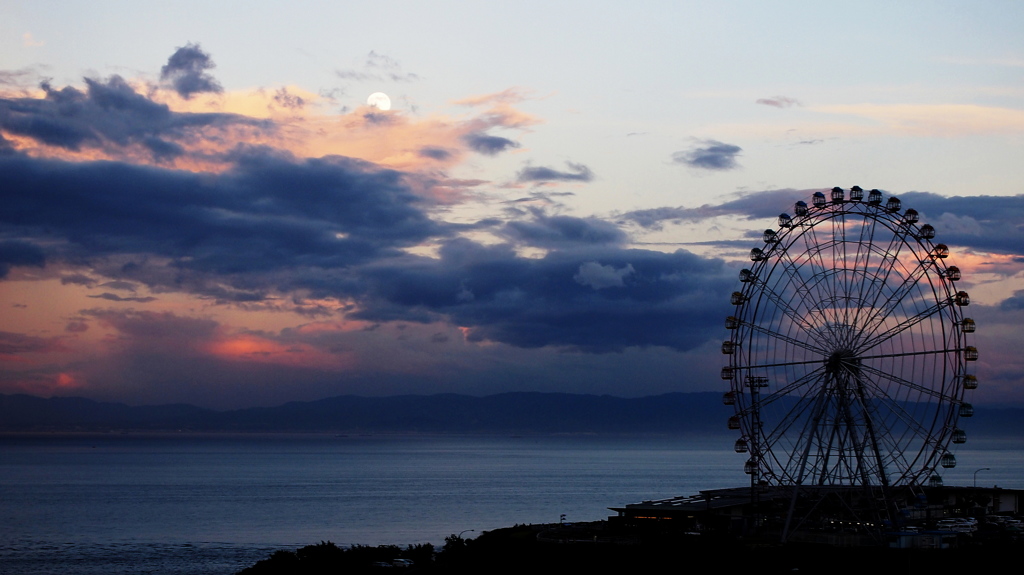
column 976, row 474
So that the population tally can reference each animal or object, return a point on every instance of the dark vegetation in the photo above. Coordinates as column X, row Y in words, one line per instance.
column 518, row 549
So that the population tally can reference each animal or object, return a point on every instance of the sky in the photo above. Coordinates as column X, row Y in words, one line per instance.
column 201, row 207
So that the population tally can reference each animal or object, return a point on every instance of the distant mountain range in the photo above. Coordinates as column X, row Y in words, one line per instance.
column 673, row 413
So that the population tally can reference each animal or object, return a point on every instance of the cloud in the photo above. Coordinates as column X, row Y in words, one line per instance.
column 435, row 153
column 19, row 253
column 779, row 102
column 935, row 120
column 78, row 279
column 290, row 101
column 506, row 96
column 120, row 285
column 16, row 344
column 109, row 113
column 671, row 300
column 186, row 72
column 76, row 327
column 990, row 223
column 748, row 205
column 15, row 77
column 489, row 145
column 1013, row 303
column 575, row 173
column 378, row 67
column 597, row 276
column 562, row 231
column 114, row 297
column 146, row 325
column 709, row 155
column 268, row 214
column 29, row 41
column 272, row 205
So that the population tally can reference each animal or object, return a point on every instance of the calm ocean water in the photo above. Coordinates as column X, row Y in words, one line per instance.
column 119, row 504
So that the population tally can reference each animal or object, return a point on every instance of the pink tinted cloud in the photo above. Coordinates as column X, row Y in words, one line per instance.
column 13, row 346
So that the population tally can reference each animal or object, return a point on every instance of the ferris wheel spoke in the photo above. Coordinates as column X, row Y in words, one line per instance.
column 800, row 281
column 811, row 435
column 896, row 447
column 888, row 263
column 874, row 430
column 785, row 338
column 803, row 292
column 793, row 415
column 826, row 295
column 788, row 311
column 912, row 353
column 938, row 395
column 780, row 364
column 784, row 391
column 902, row 326
column 898, row 412
column 897, row 296
column 866, row 244
column 839, row 262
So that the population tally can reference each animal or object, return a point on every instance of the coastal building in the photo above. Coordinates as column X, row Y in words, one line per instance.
column 841, row 516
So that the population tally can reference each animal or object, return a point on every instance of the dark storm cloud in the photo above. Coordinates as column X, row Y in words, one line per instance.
column 779, row 102
column 709, row 155
column 576, row 173
column 561, row 231
column 489, row 145
column 268, row 213
column 17, row 253
column 186, row 71
column 673, row 300
column 107, row 112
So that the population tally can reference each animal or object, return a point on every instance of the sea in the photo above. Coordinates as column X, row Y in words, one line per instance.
column 179, row 504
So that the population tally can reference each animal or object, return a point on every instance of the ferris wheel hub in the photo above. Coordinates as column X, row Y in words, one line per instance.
column 841, row 360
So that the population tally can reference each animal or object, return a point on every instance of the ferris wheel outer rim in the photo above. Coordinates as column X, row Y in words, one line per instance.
column 939, row 431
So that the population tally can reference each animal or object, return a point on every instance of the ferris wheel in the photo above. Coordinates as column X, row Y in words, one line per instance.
column 848, row 355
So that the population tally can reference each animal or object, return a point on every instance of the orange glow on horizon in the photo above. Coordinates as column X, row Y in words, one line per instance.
column 252, row 348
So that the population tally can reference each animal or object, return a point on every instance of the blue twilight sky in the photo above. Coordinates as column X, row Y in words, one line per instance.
column 201, row 207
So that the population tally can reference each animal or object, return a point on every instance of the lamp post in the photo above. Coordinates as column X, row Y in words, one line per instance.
column 976, row 474
column 463, row 531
